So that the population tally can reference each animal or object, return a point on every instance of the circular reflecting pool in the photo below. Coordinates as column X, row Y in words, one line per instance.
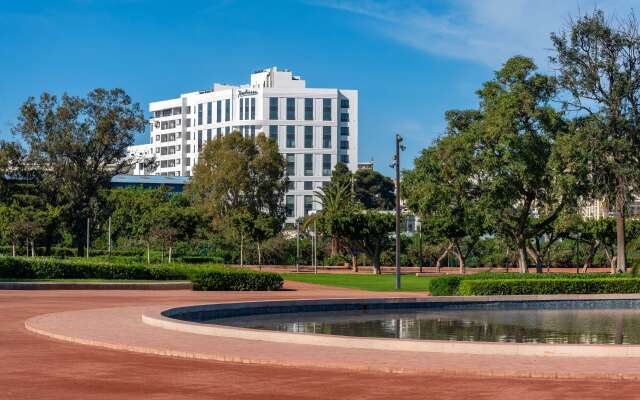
column 579, row 326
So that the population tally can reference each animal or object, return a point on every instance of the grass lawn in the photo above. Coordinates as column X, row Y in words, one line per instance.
column 376, row 283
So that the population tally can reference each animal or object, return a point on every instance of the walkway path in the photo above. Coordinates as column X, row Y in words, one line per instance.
column 36, row 367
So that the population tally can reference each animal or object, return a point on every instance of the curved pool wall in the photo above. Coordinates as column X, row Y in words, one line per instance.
column 189, row 318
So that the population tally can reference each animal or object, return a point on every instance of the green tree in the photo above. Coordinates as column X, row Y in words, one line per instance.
column 239, row 179
column 374, row 190
column 598, row 62
column 523, row 181
column 78, row 144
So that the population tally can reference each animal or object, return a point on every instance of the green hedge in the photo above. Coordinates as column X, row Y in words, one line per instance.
column 201, row 260
column 204, row 277
column 490, row 287
column 232, row 279
column 448, row 285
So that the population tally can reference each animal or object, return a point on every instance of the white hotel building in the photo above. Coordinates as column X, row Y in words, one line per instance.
column 314, row 128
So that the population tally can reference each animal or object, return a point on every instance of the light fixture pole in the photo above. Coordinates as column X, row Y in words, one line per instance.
column 297, row 245
column 396, row 164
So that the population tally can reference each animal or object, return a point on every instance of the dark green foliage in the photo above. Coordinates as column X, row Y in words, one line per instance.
column 228, row 279
column 446, row 285
column 489, row 287
column 201, row 260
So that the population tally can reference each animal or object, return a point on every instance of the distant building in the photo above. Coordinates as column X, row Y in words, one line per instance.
column 173, row 183
column 314, row 128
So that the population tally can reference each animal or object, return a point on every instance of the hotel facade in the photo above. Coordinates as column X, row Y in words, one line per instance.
column 314, row 128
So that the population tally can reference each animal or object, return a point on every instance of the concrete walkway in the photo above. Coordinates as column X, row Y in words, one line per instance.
column 37, row 367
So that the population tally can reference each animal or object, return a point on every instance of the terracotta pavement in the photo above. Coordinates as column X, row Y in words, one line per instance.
column 36, row 367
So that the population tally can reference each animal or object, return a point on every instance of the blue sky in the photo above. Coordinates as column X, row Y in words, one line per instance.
column 410, row 60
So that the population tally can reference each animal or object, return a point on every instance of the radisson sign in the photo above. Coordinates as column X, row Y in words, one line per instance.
column 247, row 92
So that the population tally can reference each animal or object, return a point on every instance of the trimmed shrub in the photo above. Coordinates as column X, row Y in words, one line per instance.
column 201, row 260
column 232, row 279
column 445, row 285
column 489, row 287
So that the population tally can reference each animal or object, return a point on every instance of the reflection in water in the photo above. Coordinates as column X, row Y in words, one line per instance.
column 620, row 326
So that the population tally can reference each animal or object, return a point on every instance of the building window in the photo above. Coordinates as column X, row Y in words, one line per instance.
column 308, row 109
column 326, row 109
column 241, row 109
column 273, row 108
column 199, row 141
column 291, row 108
column 209, row 112
column 187, row 135
column 219, row 133
column 344, row 130
column 253, row 108
column 308, row 165
column 308, row 137
column 291, row 185
column 308, row 204
column 227, row 110
column 140, row 166
column 187, row 162
column 308, row 185
column 344, row 117
column 291, row 164
column 246, row 108
column 208, row 134
column 326, row 165
column 273, row 132
column 227, row 129
column 187, row 148
column 326, row 137
column 200, row 114
column 291, row 136
column 344, row 158
column 344, row 103
column 290, row 206
column 344, row 144
column 219, row 111
column 252, row 129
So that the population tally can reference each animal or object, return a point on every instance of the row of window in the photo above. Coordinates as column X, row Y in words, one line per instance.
column 308, row 109
column 209, row 106
column 308, row 164
column 290, row 205
column 247, row 108
column 167, row 112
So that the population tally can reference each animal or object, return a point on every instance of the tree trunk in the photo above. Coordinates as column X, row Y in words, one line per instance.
column 241, row 251
column 522, row 257
column 33, row 249
column 354, row 263
column 536, row 256
column 169, row 254
column 375, row 261
column 13, row 249
column 334, row 245
column 621, row 255
column 612, row 260
column 461, row 259
column 442, row 256
column 259, row 257
column 162, row 253
column 148, row 253
column 588, row 262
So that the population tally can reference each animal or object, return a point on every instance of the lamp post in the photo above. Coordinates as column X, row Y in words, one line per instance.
column 297, row 246
column 396, row 165
column 314, row 241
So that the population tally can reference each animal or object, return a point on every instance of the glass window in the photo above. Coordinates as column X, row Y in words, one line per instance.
column 187, row 148
column 326, row 137
column 344, row 130
column 199, row 140
column 308, row 185
column 326, row 165
column 291, row 185
column 187, row 162
column 200, row 114
column 308, row 165
column 273, row 108
column 241, row 109
column 246, row 108
column 344, row 158
column 308, row 137
column 308, row 109
column 209, row 112
column 219, row 133
column 253, row 108
column 291, row 108
column 291, row 164
column 326, row 109
column 227, row 129
column 208, row 134
column 344, row 144
column 187, row 135
column 227, row 110
column 219, row 111
column 344, row 117
column 291, row 136
column 344, row 103
column 290, row 206
column 308, row 204
column 273, row 132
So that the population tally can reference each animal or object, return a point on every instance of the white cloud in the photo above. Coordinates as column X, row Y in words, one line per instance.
column 486, row 32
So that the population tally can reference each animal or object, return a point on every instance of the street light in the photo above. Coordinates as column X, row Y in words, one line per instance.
column 396, row 165
column 314, row 241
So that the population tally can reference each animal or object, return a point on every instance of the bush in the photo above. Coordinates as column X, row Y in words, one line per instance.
column 204, row 277
column 489, row 287
column 448, row 285
column 231, row 279
column 201, row 260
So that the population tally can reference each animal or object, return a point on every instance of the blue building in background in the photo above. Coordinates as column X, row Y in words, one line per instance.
column 174, row 183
